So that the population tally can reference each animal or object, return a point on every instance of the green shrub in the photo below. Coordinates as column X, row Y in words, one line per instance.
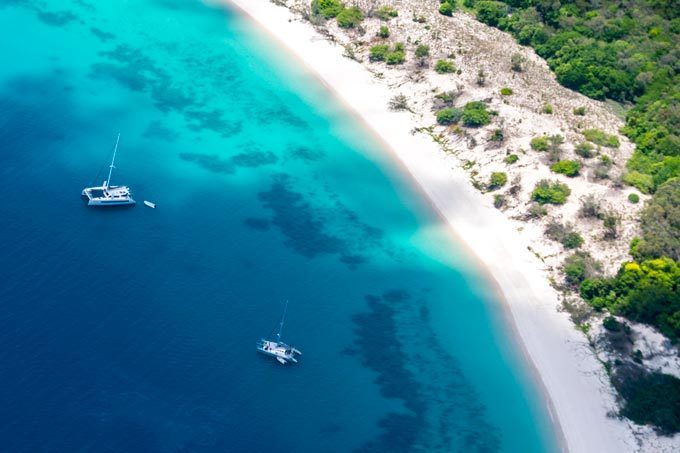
column 650, row 398
column 423, row 51
column 547, row 109
column 491, row 13
column 395, row 57
column 386, row 13
column 572, row 240
column 643, row 182
column 611, row 324
column 444, row 67
column 384, row 32
column 569, row 168
column 497, row 136
column 585, row 150
column 378, row 52
column 498, row 201
column 579, row 267
column 633, row 198
column 580, row 111
column 449, row 115
column 506, row 91
column 601, row 138
column 659, row 223
column 446, row 9
column 327, row 8
column 350, row 17
column 552, row 192
column 511, row 158
column 540, row 143
column 475, row 114
column 497, row 180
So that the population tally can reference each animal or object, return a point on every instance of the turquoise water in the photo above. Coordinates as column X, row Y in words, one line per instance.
column 134, row 330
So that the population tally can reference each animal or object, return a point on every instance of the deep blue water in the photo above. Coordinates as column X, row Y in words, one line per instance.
column 134, row 330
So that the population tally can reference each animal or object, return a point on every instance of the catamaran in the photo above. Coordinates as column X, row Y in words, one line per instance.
column 106, row 194
column 283, row 352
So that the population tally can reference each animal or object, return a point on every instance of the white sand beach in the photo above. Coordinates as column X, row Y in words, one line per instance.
column 577, row 388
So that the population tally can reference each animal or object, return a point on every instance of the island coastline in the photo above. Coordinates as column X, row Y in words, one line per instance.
column 573, row 381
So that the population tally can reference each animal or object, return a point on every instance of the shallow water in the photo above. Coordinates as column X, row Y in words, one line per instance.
column 134, row 329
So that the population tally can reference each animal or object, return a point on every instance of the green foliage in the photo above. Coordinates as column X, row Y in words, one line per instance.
column 497, row 180
column 547, row 109
column 327, row 8
column 601, row 138
column 569, row 168
column 350, row 17
column 651, row 398
column 497, row 136
column 444, row 67
column 383, row 52
column 447, row 8
column 475, row 114
column 660, row 223
column 611, row 324
column 378, row 52
column 550, row 192
column 540, row 143
column 604, row 50
column 386, row 13
column 511, row 158
column 563, row 234
column 384, row 32
column 449, row 115
column 491, row 13
column 506, row 91
column 498, row 201
column 395, row 57
column 633, row 198
column 579, row 267
column 423, row 51
column 646, row 292
column 580, row 111
column 585, row 150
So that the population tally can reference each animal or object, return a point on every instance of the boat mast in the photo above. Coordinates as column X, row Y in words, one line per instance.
column 283, row 318
column 108, row 180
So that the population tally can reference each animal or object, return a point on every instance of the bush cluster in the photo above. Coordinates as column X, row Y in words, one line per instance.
column 382, row 52
column 497, row 180
column 569, row 168
column 444, row 67
column 447, row 8
column 475, row 114
column 601, row 138
column 450, row 115
column 550, row 192
column 506, row 91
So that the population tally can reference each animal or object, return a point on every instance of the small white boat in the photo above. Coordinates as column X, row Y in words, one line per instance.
column 106, row 194
column 281, row 351
column 150, row 204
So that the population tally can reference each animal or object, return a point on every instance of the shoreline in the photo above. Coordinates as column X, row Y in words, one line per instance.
column 573, row 383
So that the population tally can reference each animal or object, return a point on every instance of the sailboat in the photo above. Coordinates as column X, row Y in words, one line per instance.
column 281, row 351
column 106, row 194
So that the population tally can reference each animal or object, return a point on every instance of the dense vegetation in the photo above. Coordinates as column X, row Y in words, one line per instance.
column 626, row 51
